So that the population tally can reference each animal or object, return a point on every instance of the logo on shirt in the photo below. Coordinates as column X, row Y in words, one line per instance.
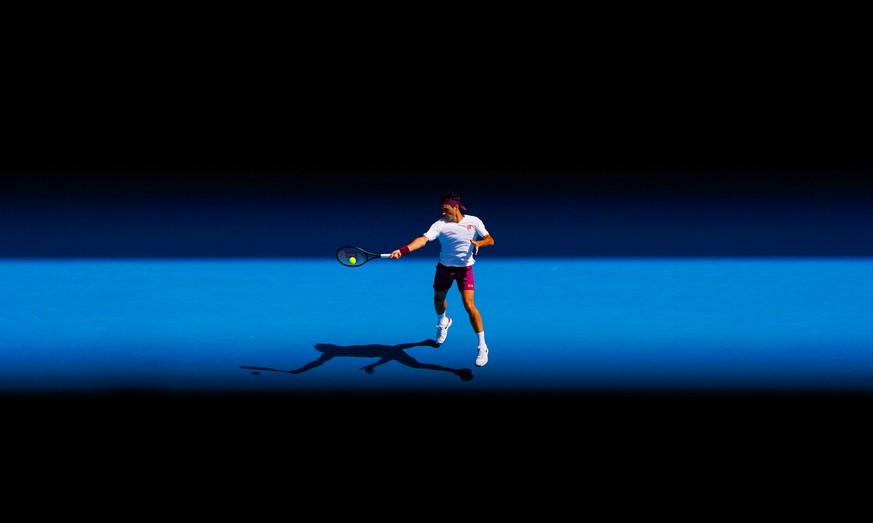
column 469, row 227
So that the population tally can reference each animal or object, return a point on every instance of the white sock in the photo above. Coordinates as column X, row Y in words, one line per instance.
column 481, row 338
column 441, row 318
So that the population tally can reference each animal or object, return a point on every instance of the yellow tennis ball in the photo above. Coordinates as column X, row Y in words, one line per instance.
column 353, row 260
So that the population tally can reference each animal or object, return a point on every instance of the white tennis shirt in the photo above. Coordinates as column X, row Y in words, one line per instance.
column 455, row 247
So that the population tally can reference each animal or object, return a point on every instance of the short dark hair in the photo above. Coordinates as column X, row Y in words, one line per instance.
column 450, row 196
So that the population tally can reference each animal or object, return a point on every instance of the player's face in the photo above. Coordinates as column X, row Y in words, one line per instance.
column 450, row 213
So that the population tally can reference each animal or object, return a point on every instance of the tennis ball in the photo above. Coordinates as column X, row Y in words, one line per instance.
column 353, row 260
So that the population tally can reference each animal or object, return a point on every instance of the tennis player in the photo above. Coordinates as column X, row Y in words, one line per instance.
column 460, row 237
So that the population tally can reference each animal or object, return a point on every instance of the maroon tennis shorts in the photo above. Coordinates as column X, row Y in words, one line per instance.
column 444, row 277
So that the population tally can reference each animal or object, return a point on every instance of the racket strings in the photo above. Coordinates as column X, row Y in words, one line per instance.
column 351, row 256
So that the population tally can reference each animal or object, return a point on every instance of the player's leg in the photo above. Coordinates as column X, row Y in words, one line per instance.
column 442, row 282
column 466, row 285
column 467, row 298
column 440, row 304
column 476, row 321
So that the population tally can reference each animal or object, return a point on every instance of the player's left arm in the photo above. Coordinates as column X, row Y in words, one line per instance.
column 485, row 241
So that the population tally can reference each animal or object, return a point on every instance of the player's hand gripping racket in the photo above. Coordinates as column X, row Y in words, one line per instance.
column 352, row 256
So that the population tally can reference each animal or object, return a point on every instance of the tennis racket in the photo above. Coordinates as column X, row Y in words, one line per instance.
column 352, row 256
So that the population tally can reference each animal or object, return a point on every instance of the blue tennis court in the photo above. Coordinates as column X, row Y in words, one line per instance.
column 615, row 325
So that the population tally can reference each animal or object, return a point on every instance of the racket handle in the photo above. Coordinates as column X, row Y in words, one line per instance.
column 385, row 255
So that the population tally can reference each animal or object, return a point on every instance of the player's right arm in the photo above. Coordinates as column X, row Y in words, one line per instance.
column 414, row 245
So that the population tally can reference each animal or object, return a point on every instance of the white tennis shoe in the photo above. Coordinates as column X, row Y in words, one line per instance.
column 482, row 357
column 443, row 330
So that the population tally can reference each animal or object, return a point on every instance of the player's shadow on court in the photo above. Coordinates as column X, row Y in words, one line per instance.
column 385, row 353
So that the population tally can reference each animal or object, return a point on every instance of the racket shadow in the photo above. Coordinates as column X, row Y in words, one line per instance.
column 384, row 353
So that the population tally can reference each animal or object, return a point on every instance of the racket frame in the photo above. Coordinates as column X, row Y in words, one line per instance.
column 343, row 257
